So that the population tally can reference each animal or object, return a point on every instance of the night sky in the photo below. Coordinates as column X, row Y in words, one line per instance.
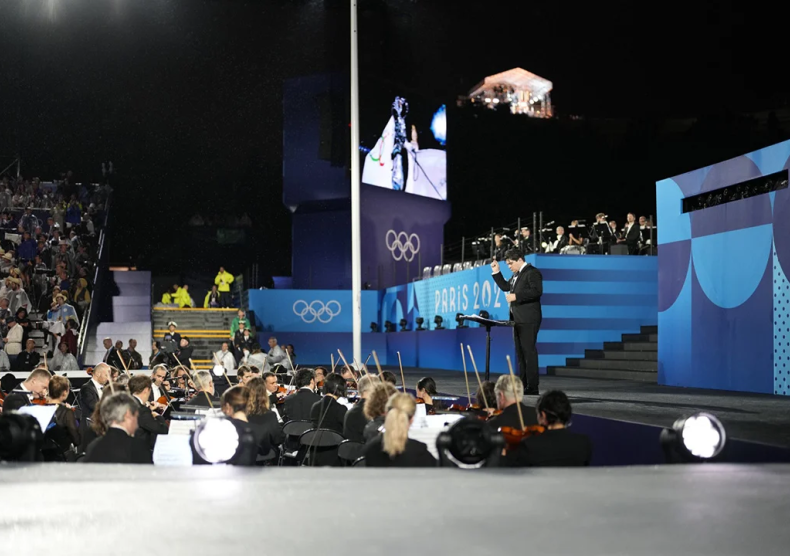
column 185, row 96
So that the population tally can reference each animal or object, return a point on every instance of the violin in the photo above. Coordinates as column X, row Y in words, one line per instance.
column 429, row 410
column 514, row 436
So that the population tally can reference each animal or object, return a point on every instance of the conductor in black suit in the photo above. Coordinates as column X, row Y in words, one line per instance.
column 524, row 291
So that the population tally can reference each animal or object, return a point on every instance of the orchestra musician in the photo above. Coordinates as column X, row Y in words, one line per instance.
column 35, row 386
column 90, row 393
column 204, row 394
column 93, row 426
column 557, row 446
column 63, row 436
column 270, row 379
column 506, row 400
column 158, row 376
column 631, row 235
column 558, row 244
column 118, row 444
column 426, row 390
column 524, row 291
column 355, row 419
column 485, row 398
column 376, row 409
column 297, row 406
column 261, row 416
column 149, row 424
column 389, row 376
column 573, row 240
column 328, row 413
column 394, row 448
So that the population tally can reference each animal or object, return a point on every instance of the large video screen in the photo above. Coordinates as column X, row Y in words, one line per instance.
column 403, row 144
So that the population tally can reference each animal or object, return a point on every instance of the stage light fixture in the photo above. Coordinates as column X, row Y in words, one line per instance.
column 21, row 438
column 469, row 444
column 484, row 314
column 438, row 320
column 697, row 438
column 218, row 370
column 216, row 439
column 389, row 326
column 403, row 325
column 459, row 319
column 374, row 327
column 419, row 321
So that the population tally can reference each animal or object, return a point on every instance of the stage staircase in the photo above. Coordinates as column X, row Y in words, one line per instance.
column 633, row 358
column 205, row 328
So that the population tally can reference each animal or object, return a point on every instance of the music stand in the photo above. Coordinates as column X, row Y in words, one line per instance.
column 488, row 324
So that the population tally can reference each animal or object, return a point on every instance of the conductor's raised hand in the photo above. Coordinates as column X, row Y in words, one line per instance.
column 494, row 266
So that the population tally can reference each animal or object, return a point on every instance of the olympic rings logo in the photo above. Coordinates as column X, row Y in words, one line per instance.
column 402, row 245
column 316, row 310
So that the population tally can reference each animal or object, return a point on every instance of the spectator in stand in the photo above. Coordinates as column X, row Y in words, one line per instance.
column 212, row 300
column 62, row 311
column 29, row 221
column 123, row 356
column 182, row 297
column 63, row 360
column 7, row 263
column 43, row 251
column 27, row 248
column 169, row 297
column 239, row 318
column 82, row 296
column 242, row 339
column 70, row 337
column 28, row 360
column 275, row 356
column 225, row 358
column 64, row 257
column 171, row 334
column 256, row 358
column 13, row 340
column 223, row 280
column 73, row 213
column 290, row 358
column 17, row 297
column 185, row 352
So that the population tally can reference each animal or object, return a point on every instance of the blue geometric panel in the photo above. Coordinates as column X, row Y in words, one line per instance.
column 729, row 265
column 781, row 330
column 675, row 224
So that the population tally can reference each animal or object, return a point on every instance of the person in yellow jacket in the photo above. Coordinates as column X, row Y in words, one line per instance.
column 223, row 281
column 212, row 298
column 182, row 297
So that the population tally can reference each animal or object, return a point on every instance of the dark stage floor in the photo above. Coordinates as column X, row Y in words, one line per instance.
column 752, row 417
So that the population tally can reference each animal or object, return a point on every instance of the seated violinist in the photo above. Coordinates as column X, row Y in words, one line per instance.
column 204, row 395
column 35, row 386
column 394, row 448
column 320, row 376
column 376, row 409
column 62, row 437
column 251, row 374
column 158, row 376
column 485, row 398
column 506, row 400
column 355, row 419
column 389, row 376
column 328, row 413
column 557, row 446
column 297, row 407
column 118, row 444
column 426, row 390
column 149, row 424
column 350, row 376
column 270, row 379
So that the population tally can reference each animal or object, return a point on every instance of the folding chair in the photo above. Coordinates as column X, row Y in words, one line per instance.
column 320, row 446
column 349, row 451
column 291, row 448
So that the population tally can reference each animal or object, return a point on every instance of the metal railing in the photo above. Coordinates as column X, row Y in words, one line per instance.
column 90, row 315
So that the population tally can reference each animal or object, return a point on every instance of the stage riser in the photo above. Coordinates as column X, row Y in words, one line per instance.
column 608, row 374
column 616, row 364
column 629, row 355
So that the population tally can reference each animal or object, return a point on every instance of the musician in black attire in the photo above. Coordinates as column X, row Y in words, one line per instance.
column 118, row 445
column 204, row 396
column 394, row 448
column 557, row 446
column 525, row 289
column 355, row 420
column 34, row 387
column 261, row 417
column 328, row 413
column 149, row 425
column 297, row 407
column 63, row 433
column 508, row 392
column 631, row 235
column 270, row 379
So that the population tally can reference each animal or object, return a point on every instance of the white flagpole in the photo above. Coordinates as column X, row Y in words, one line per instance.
column 356, row 256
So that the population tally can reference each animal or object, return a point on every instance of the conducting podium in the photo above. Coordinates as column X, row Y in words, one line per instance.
column 488, row 324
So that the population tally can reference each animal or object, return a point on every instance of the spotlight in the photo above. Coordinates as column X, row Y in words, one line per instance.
column 459, row 319
column 218, row 370
column 438, row 320
column 469, row 444
column 403, row 325
column 419, row 321
column 485, row 314
column 696, row 438
column 374, row 327
column 216, row 440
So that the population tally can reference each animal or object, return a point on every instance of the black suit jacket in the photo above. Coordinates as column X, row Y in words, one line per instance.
column 89, row 397
column 200, row 400
column 118, row 447
column 297, row 406
column 553, row 448
column 355, row 421
column 273, row 400
column 563, row 242
column 327, row 413
column 15, row 400
column 416, row 454
column 509, row 417
column 113, row 360
column 268, row 431
column 26, row 362
column 148, row 426
column 528, row 288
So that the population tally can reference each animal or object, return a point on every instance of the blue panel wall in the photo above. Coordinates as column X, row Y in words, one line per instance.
column 723, row 290
column 586, row 301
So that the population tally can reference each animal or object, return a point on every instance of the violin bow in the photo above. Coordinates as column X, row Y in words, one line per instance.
column 290, row 362
column 518, row 402
column 402, row 378
column 376, row 359
column 344, row 361
column 466, row 376
column 332, row 357
column 474, row 366
column 125, row 366
column 224, row 371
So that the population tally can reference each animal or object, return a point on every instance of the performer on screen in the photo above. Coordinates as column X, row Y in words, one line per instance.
column 524, row 291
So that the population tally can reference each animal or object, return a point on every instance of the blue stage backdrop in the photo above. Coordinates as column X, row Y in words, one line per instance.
column 586, row 301
column 723, row 291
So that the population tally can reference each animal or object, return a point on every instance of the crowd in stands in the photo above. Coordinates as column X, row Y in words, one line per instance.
column 48, row 253
column 219, row 296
